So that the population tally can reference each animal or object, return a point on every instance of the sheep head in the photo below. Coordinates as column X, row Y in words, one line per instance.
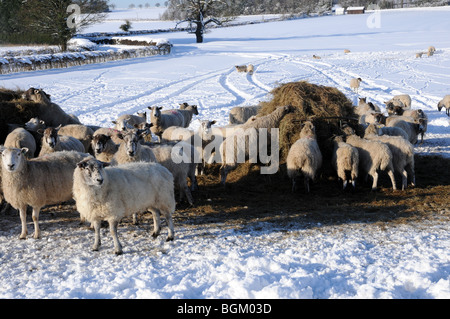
column 12, row 157
column 92, row 171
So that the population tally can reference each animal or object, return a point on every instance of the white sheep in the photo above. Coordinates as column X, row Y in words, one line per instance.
column 81, row 132
column 304, row 157
column 127, row 121
column 431, row 49
column 365, row 107
column 163, row 120
column 53, row 142
column 403, row 100
column 373, row 156
column 250, row 130
column 103, row 147
column 131, row 150
column 37, row 182
column 51, row 113
column 408, row 124
column 112, row 193
column 417, row 116
column 188, row 111
column 345, row 161
column 402, row 154
column 445, row 102
column 250, row 69
column 385, row 130
column 355, row 83
column 240, row 114
column 112, row 132
column 20, row 138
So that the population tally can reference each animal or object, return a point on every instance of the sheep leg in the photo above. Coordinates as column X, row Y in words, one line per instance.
column 375, row 180
column 156, row 223
column 188, row 194
column 391, row 175
column 169, row 220
column 23, row 219
column 113, row 230
column 404, row 179
column 35, row 216
column 306, row 181
column 345, row 184
column 97, row 241
column 411, row 174
column 294, row 186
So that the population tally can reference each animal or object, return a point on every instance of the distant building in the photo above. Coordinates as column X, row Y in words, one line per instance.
column 338, row 10
column 356, row 10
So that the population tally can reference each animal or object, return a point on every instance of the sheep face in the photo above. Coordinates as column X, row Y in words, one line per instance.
column 131, row 141
column 36, row 95
column 12, row 158
column 34, row 124
column 121, row 125
column 50, row 136
column 99, row 143
column 205, row 129
column 92, row 171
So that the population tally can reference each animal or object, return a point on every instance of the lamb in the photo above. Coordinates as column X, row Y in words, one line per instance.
column 81, row 132
column 112, row 193
column 240, row 114
column 127, row 121
column 408, row 124
column 373, row 156
column 445, row 102
column 49, row 112
column 103, row 147
column 187, row 111
column 53, row 142
column 402, row 154
column 21, row 138
column 269, row 121
column 354, row 84
column 37, row 182
column 131, row 150
column 304, row 157
column 345, row 161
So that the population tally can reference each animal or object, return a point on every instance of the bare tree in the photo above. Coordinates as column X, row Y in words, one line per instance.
column 200, row 13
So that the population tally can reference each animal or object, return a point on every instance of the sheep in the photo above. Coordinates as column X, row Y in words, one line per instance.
column 445, row 102
column 411, row 127
column 402, row 100
column 354, row 84
column 113, row 133
column 431, row 49
column 372, row 118
column 112, row 193
column 49, row 112
column 19, row 138
column 417, row 115
column 430, row 53
column 37, row 182
column 127, row 121
column 364, row 107
column 269, row 121
column 373, row 156
column 316, row 57
column 250, row 69
column 103, row 147
column 402, row 154
column 131, row 150
column 35, row 124
column 53, row 142
column 198, row 139
column 345, row 161
column 240, row 114
column 304, row 157
column 187, row 111
column 347, row 51
column 81, row 132
column 419, row 54
column 163, row 120
column 385, row 130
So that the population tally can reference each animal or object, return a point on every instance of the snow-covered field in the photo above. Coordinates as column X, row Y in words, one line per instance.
column 353, row 260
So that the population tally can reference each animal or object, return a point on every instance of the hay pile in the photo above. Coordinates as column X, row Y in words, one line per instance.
column 14, row 110
column 326, row 107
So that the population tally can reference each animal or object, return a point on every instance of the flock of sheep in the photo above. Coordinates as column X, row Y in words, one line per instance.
column 116, row 172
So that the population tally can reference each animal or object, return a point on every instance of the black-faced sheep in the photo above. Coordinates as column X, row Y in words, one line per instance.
column 112, row 193
column 51, row 113
column 445, row 103
column 408, row 124
column 37, row 182
column 345, row 161
column 103, row 147
column 53, row 142
column 304, row 157
column 355, row 83
column 402, row 100
column 417, row 116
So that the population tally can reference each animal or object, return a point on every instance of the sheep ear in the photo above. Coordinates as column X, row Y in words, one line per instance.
column 2, row 148
column 114, row 122
column 58, row 127
column 120, row 135
column 213, row 122
column 24, row 150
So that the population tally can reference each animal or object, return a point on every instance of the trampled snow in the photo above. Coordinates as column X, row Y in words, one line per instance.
column 353, row 260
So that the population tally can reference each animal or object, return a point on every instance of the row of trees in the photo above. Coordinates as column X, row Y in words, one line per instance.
column 47, row 21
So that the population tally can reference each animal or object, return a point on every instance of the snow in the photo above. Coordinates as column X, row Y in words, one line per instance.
column 258, row 260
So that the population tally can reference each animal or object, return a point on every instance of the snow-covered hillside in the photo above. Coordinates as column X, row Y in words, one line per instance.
column 352, row 260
